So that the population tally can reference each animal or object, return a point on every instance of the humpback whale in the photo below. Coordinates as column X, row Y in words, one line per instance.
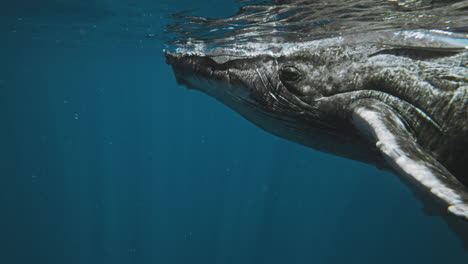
column 395, row 99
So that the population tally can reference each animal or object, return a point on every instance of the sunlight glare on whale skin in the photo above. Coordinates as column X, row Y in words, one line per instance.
column 422, row 39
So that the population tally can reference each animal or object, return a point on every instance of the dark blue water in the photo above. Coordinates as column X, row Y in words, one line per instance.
column 104, row 159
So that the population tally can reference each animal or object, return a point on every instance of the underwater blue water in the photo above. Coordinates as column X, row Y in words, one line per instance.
column 105, row 159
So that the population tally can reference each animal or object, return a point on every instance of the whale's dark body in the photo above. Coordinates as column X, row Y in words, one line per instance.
column 396, row 99
column 399, row 107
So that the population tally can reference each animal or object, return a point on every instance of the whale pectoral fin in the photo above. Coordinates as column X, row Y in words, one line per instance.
column 383, row 126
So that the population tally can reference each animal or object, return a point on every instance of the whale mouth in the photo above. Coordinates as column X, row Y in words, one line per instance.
column 185, row 66
column 223, row 81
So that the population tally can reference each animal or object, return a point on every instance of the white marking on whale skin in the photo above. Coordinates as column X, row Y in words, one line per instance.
column 447, row 194
column 375, row 126
column 459, row 209
column 389, row 146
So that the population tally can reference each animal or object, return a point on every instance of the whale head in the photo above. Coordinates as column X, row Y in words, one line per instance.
column 264, row 88
column 285, row 93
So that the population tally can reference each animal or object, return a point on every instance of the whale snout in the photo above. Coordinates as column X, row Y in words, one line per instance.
column 189, row 67
column 194, row 63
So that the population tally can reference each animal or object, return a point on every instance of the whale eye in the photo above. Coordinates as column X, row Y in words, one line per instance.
column 290, row 74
